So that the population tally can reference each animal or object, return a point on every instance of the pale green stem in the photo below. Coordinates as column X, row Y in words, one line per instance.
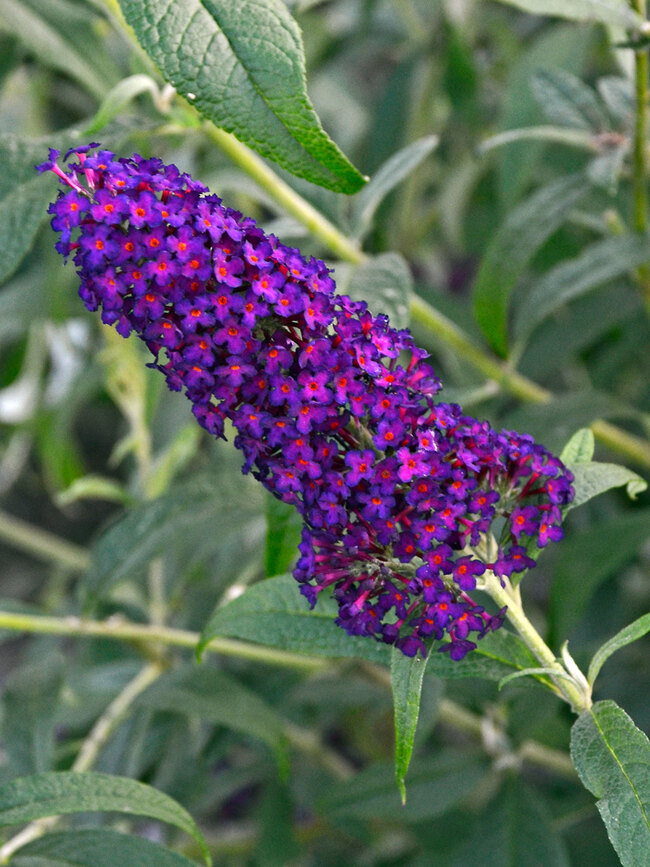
column 93, row 744
column 39, row 543
column 292, row 202
column 566, row 684
column 139, row 633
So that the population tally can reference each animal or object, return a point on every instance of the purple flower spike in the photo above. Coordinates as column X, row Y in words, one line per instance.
column 398, row 493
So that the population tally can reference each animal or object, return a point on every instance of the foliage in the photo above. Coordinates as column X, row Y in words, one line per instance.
column 168, row 693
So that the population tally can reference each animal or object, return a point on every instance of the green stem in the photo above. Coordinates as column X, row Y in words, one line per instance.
column 632, row 447
column 566, row 684
column 139, row 633
column 39, row 543
column 98, row 737
column 289, row 199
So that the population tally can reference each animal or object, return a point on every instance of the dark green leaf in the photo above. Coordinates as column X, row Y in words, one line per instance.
column 523, row 233
column 385, row 282
column 434, row 785
column 242, row 65
column 595, row 478
column 56, row 794
column 29, row 703
column 580, row 448
column 274, row 613
column 96, row 848
column 597, row 264
column 612, row 757
column 587, row 559
column 567, row 101
column 406, row 676
column 615, row 12
column 626, row 636
column 515, row 830
column 284, row 526
column 216, row 697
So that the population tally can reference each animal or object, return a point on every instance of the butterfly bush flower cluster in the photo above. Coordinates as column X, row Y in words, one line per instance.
column 334, row 410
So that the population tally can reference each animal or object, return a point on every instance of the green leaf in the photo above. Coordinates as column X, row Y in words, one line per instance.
column 627, row 635
column 51, row 44
column 29, row 704
column 214, row 696
column 618, row 96
column 612, row 757
column 181, row 520
column 567, row 101
column 434, row 786
column 614, row 12
column 406, row 676
column 517, row 240
column 516, row 830
column 275, row 614
column 385, row 282
column 120, row 96
column 598, row 263
column 575, row 138
column 593, row 478
column 242, row 65
column 398, row 167
column 24, row 197
column 58, row 793
column 284, row 526
column 93, row 487
column 96, row 848
column 580, row 448
column 587, row 559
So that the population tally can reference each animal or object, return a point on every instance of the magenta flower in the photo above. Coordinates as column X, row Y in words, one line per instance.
column 397, row 492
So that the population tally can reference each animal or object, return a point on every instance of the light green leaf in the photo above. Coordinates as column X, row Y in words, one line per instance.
column 398, row 167
column 58, row 793
column 284, row 526
column 618, row 96
column 385, row 282
column 118, row 97
column 627, row 635
column 580, row 448
column 96, row 848
column 587, row 559
column 615, row 12
column 523, row 233
column 212, row 695
column 596, row 264
column 434, row 786
column 593, row 478
column 406, row 676
column 182, row 520
column 567, row 101
column 612, row 757
column 52, row 46
column 93, row 487
column 575, row 138
column 242, row 65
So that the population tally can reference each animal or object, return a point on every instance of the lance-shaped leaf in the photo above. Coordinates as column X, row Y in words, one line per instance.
column 55, row 794
column 406, row 682
column 630, row 633
column 243, row 66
